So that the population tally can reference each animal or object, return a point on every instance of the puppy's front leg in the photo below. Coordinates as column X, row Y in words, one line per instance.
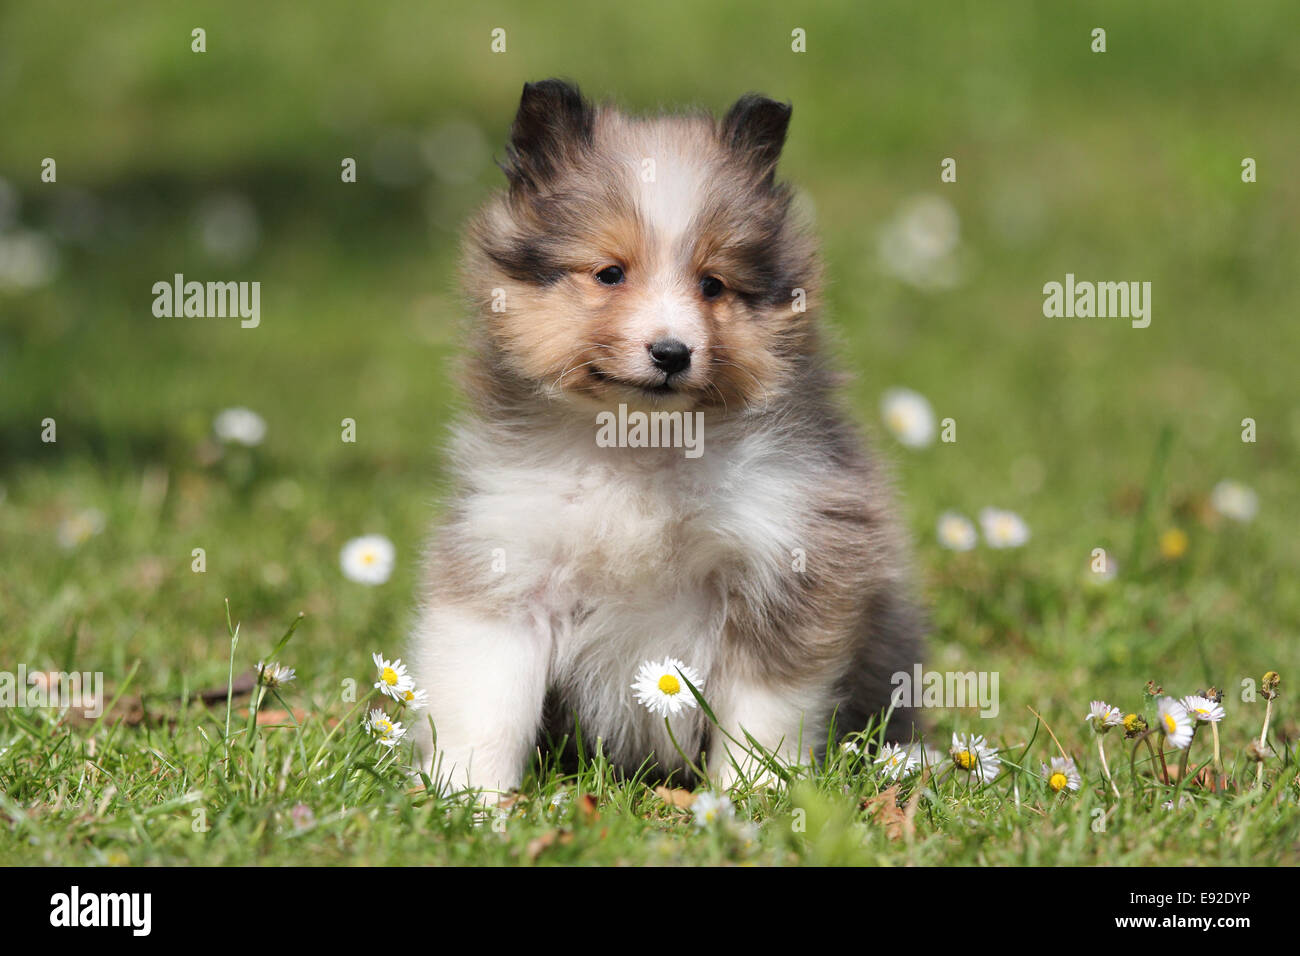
column 486, row 678
column 784, row 720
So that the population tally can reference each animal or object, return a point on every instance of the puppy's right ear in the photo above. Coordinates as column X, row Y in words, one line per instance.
column 554, row 124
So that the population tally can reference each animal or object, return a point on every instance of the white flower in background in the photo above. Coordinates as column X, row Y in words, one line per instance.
column 1184, row 800
column 710, row 808
column 956, row 532
column 1103, row 716
column 1062, row 775
column 1003, row 529
column 1234, row 500
column 80, row 528
column 1202, row 709
column 919, row 246
column 909, row 416
column 28, row 260
column 414, row 700
column 385, row 731
column 368, row 559
column 227, row 227
column 659, row 686
column 1174, row 722
column 273, row 674
column 240, row 426
column 896, row 761
column 971, row 754
column 393, row 679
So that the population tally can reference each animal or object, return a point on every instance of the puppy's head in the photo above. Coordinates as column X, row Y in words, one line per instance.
column 647, row 261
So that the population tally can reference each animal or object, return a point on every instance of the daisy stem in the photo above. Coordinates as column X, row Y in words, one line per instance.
column 1182, row 763
column 330, row 736
column 1263, row 737
column 689, row 762
column 1218, row 763
column 1105, row 770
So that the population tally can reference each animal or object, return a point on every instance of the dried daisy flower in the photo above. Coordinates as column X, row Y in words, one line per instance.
column 1103, row 716
column 273, row 674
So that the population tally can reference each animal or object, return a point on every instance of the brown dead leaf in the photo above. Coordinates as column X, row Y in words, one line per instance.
column 675, row 797
column 884, row 811
column 587, row 808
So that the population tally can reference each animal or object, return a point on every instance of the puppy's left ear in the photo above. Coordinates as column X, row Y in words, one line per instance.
column 755, row 129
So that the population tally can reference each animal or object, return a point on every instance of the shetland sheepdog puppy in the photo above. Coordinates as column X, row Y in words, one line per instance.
column 652, row 266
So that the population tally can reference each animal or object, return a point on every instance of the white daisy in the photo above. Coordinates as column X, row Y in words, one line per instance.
column 909, row 416
column 368, row 559
column 660, row 688
column 1202, row 709
column 956, row 532
column 1062, row 775
column 385, row 730
column 1234, row 500
column 241, row 426
column 971, row 754
column 1003, row 529
column 1184, row 800
column 920, row 244
column 393, row 679
column 80, row 528
column 413, row 699
column 1174, row 722
column 273, row 674
column 896, row 761
column 1103, row 716
column 711, row 808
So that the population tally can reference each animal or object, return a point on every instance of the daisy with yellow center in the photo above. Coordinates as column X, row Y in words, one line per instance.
column 413, row 699
column 909, row 416
column 1003, row 529
column 956, row 532
column 710, row 808
column 660, row 688
column 1062, row 775
column 972, row 755
column 1202, row 709
column 368, row 559
column 1174, row 722
column 393, row 679
column 896, row 762
column 385, row 730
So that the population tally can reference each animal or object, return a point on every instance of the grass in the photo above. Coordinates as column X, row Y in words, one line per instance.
column 1116, row 166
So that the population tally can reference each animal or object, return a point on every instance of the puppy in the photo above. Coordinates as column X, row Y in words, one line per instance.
column 652, row 266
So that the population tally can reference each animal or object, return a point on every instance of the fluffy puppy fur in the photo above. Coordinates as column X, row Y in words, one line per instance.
column 772, row 563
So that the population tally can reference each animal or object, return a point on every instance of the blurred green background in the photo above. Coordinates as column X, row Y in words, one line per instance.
column 226, row 166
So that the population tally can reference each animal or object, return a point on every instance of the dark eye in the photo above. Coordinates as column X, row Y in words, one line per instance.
column 711, row 287
column 610, row 275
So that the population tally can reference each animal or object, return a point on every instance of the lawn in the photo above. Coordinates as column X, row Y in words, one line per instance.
column 1117, row 166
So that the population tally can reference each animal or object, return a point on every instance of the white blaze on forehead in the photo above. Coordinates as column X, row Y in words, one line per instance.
column 671, row 179
column 672, row 185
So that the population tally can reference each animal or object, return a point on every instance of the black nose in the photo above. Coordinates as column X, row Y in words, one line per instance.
column 670, row 355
